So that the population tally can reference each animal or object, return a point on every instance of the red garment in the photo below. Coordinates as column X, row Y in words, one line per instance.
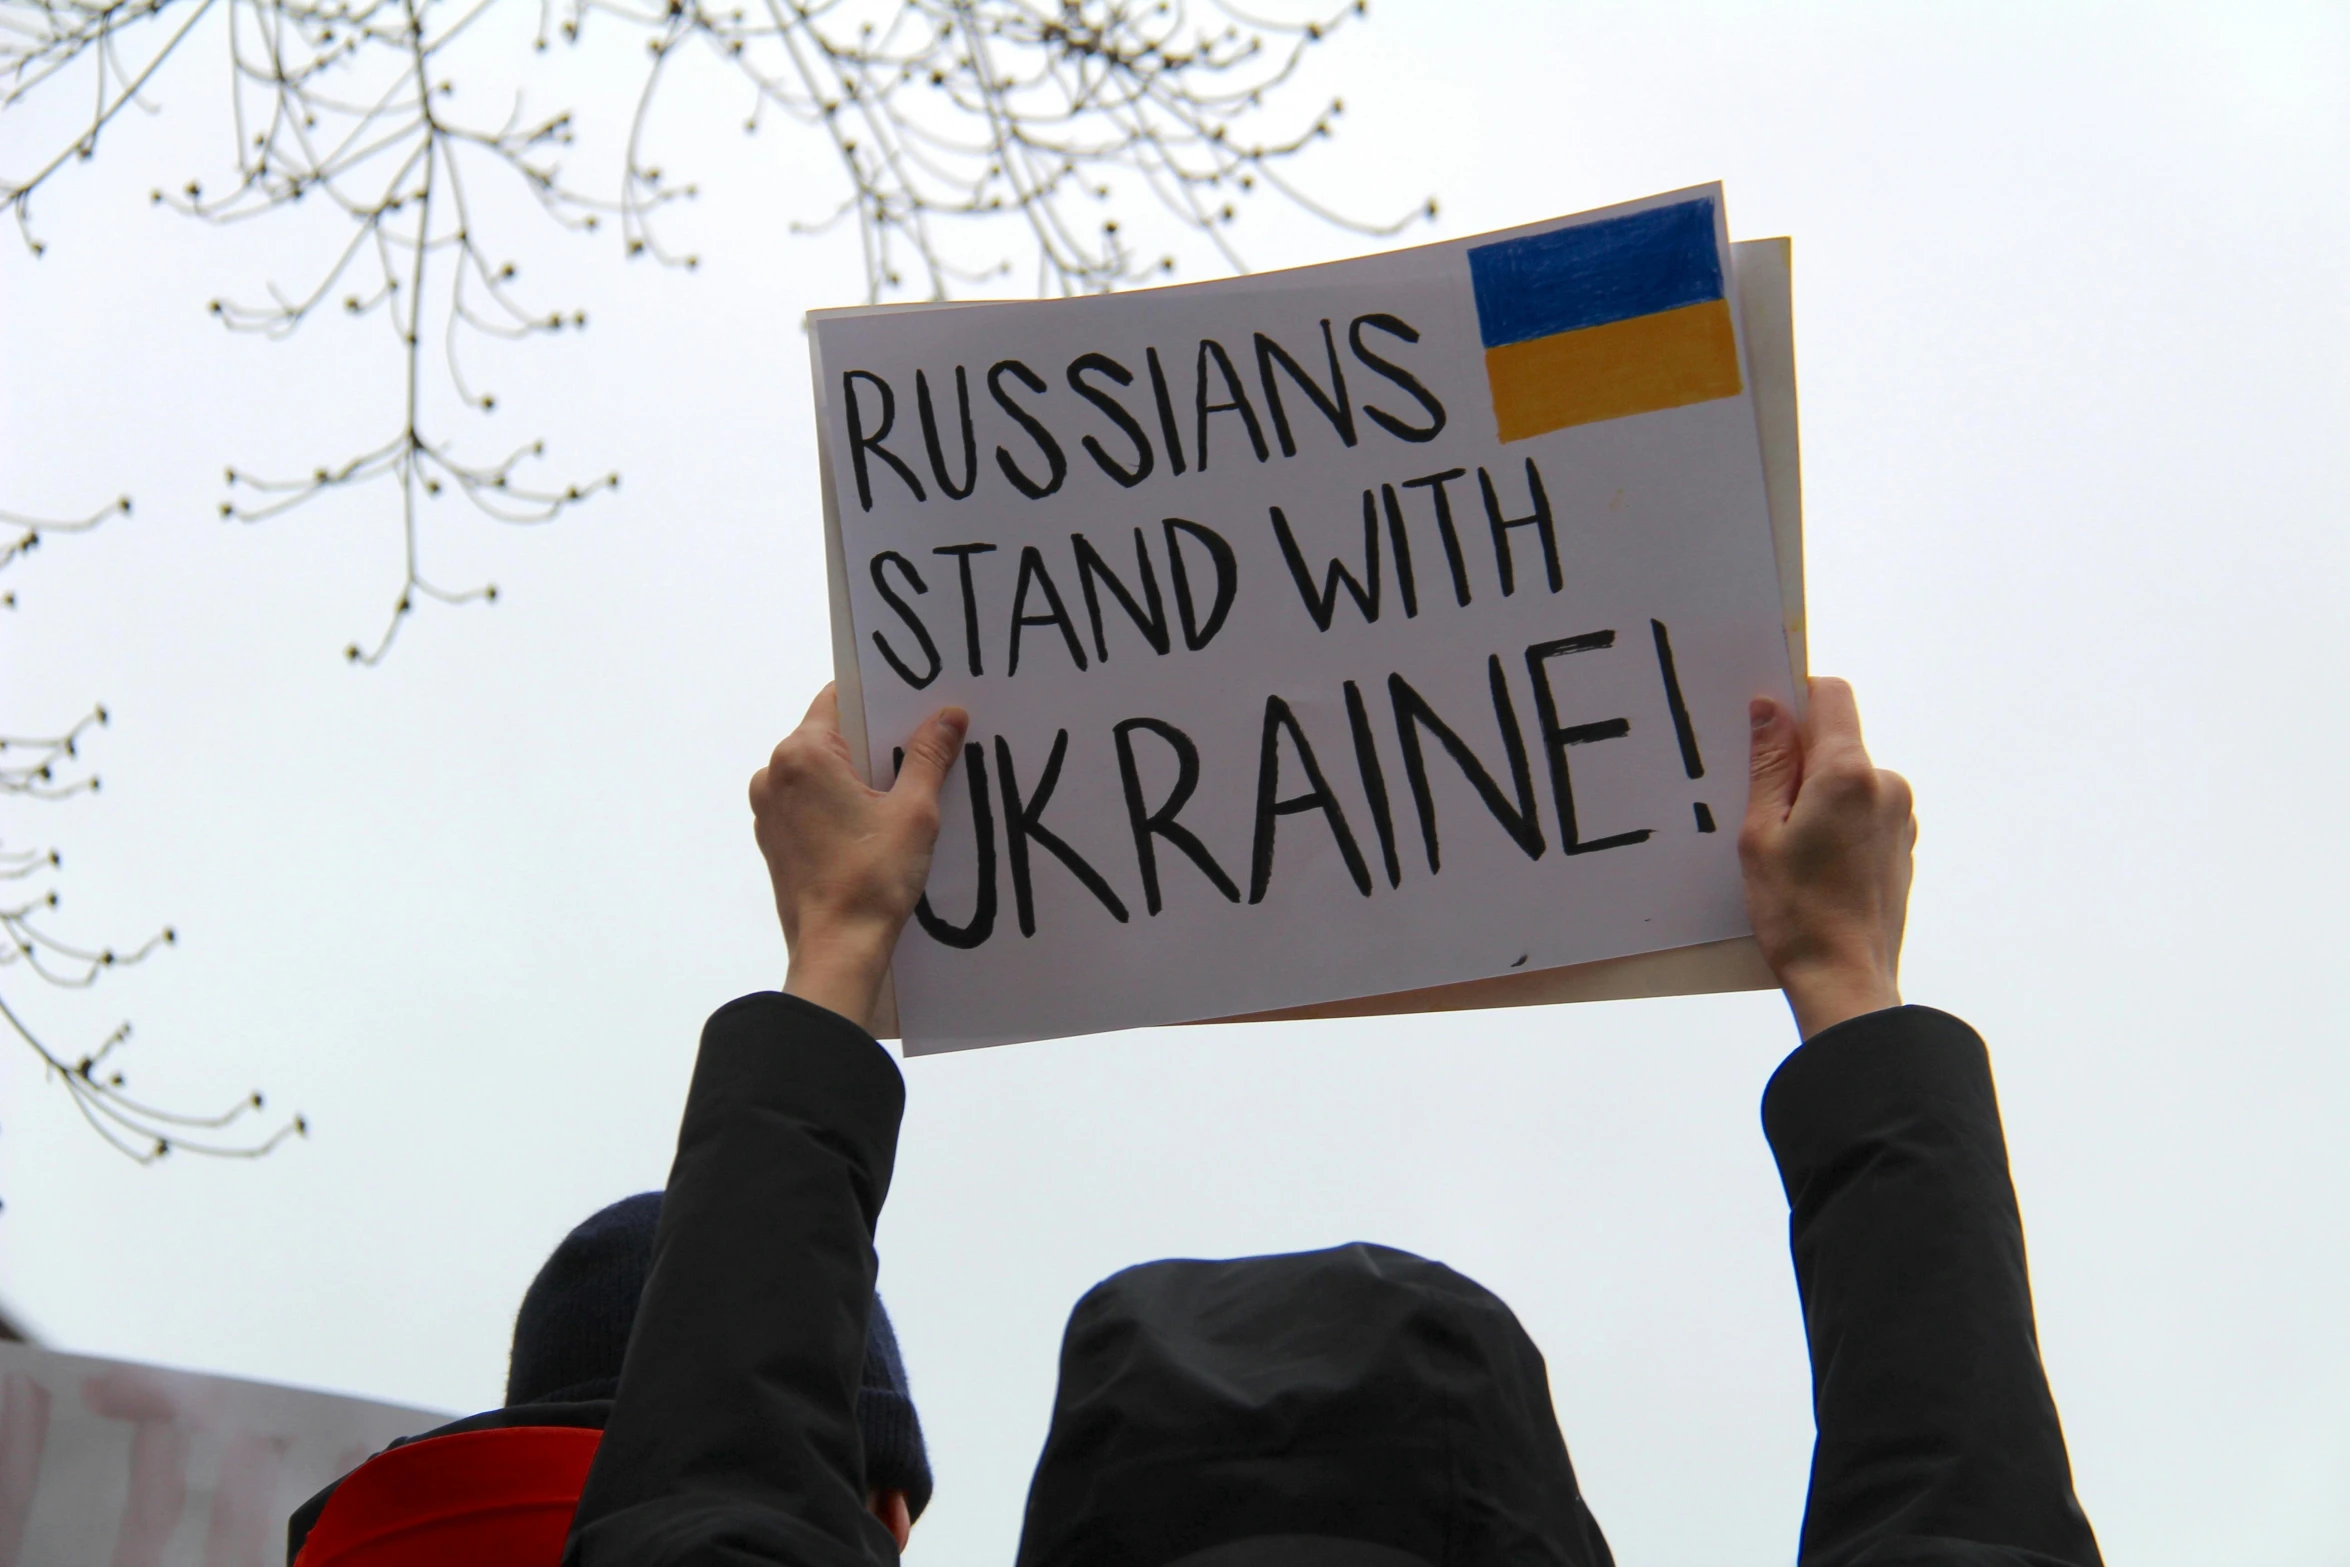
column 500, row 1498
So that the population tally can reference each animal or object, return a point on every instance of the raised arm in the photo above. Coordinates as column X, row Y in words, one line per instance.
column 1938, row 1441
column 733, row 1437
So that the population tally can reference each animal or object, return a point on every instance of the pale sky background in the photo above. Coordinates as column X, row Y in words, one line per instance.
column 2073, row 327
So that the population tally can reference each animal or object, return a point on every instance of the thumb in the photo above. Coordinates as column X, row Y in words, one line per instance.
column 932, row 749
column 1774, row 762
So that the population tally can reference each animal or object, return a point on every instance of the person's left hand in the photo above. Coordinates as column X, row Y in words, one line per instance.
column 848, row 861
column 1826, row 849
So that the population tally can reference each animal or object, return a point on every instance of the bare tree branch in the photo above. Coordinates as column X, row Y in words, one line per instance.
column 975, row 141
column 963, row 131
column 46, row 768
column 32, row 530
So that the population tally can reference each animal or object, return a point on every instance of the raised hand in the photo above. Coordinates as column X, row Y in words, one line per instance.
column 1826, row 848
column 848, row 861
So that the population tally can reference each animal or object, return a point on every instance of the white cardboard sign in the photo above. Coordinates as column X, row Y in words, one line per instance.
column 1373, row 628
column 142, row 1466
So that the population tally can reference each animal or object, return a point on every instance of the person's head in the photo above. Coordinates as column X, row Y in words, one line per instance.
column 572, row 1333
column 1356, row 1407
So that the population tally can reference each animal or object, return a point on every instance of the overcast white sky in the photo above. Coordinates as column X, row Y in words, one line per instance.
column 2073, row 323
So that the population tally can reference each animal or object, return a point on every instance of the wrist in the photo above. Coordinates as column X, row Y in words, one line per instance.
column 842, row 974
column 1823, row 998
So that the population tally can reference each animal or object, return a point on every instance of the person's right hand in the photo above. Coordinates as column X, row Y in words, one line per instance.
column 848, row 861
column 1826, row 848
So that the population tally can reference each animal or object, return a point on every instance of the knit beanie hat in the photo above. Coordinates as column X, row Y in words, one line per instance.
column 894, row 1456
column 572, row 1332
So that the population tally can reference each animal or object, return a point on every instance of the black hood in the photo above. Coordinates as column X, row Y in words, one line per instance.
column 1356, row 1407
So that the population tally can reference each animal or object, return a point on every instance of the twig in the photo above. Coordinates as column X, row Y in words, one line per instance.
column 964, row 131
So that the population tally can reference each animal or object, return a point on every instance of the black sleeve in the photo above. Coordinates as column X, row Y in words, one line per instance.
column 1938, row 1441
column 733, row 1437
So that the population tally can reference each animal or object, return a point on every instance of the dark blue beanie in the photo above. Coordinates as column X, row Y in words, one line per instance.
column 572, row 1332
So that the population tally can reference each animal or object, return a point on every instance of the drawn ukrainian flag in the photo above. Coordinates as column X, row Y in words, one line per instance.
column 1604, row 320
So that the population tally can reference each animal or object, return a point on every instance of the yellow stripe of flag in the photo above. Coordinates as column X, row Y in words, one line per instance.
column 1666, row 360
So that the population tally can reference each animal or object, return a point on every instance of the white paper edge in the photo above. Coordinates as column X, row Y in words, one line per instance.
column 848, row 685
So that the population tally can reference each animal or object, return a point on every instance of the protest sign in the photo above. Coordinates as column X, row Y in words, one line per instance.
column 111, row 1461
column 1365, row 629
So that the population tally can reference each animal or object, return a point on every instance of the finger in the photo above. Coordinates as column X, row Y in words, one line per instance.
column 1894, row 791
column 930, row 751
column 1899, row 805
column 1774, row 762
column 1832, row 726
column 824, row 713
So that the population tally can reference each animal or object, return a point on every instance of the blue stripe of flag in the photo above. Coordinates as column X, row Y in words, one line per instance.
column 1595, row 273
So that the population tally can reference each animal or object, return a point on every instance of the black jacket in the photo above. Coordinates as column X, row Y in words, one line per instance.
column 1938, row 1440
column 733, row 1436
column 730, row 1430
column 1360, row 1403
